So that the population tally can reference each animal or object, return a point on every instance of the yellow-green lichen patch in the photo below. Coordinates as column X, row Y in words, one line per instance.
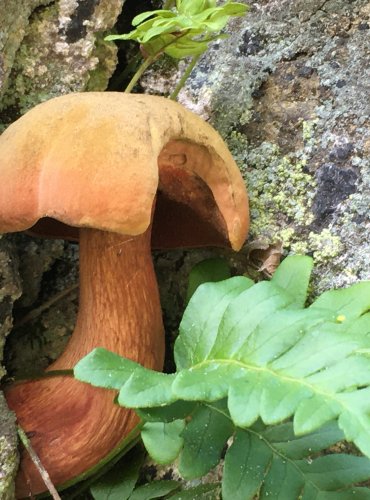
column 324, row 245
column 280, row 190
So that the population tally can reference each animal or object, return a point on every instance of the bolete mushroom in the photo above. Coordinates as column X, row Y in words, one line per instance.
column 99, row 167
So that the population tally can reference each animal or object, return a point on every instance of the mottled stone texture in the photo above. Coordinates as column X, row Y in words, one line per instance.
column 13, row 23
column 8, row 451
column 289, row 91
column 53, row 49
column 9, row 291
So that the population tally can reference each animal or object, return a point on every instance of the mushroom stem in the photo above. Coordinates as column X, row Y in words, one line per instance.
column 71, row 425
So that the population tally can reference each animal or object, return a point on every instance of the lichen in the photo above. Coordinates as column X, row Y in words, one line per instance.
column 8, row 467
column 324, row 245
column 62, row 52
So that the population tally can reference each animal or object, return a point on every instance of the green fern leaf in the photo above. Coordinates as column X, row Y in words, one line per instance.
column 205, row 437
column 275, row 464
column 250, row 355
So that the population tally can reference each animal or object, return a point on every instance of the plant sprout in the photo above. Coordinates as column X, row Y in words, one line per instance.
column 186, row 30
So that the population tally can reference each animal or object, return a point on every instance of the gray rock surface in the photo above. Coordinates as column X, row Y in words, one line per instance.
column 289, row 91
column 52, row 48
column 9, row 291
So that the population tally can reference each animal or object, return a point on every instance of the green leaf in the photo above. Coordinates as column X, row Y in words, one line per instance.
column 145, row 15
column 244, row 315
column 346, row 304
column 193, row 20
column 178, row 410
column 209, row 270
column 276, row 464
column 156, row 489
column 147, row 388
column 208, row 382
column 287, row 443
column 202, row 492
column 163, row 441
column 251, row 356
column 103, row 368
column 356, row 493
column 246, row 463
column 244, row 400
column 333, row 472
column 185, row 47
column 119, row 482
column 199, row 325
column 293, row 275
column 204, row 439
column 193, row 7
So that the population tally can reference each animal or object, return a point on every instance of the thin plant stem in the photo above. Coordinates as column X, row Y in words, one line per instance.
column 144, row 66
column 72, row 290
column 49, row 374
column 118, row 81
column 37, row 462
column 184, row 77
column 168, row 4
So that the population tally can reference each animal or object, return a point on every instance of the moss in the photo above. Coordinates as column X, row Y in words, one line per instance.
column 106, row 53
column 280, row 190
column 324, row 245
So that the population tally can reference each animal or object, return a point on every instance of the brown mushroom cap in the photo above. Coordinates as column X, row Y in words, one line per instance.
column 98, row 159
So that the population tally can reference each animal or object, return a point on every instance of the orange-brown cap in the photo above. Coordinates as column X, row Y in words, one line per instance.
column 99, row 159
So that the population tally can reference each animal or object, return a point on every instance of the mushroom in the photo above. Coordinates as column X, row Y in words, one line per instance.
column 109, row 169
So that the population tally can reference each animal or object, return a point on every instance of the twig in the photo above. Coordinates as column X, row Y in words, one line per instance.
column 46, row 374
column 39, row 310
column 35, row 459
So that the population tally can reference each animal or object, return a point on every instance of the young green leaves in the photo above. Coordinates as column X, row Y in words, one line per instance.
column 252, row 355
column 183, row 31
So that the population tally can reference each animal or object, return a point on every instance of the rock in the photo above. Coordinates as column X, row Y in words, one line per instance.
column 53, row 48
column 10, row 290
column 289, row 91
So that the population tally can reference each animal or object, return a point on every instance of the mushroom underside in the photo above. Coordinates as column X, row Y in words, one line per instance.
column 186, row 214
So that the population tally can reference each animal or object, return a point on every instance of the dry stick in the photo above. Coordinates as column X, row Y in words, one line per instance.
column 39, row 310
column 35, row 459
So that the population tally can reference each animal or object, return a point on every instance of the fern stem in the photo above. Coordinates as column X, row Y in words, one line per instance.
column 184, row 77
column 144, row 66
column 168, row 4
